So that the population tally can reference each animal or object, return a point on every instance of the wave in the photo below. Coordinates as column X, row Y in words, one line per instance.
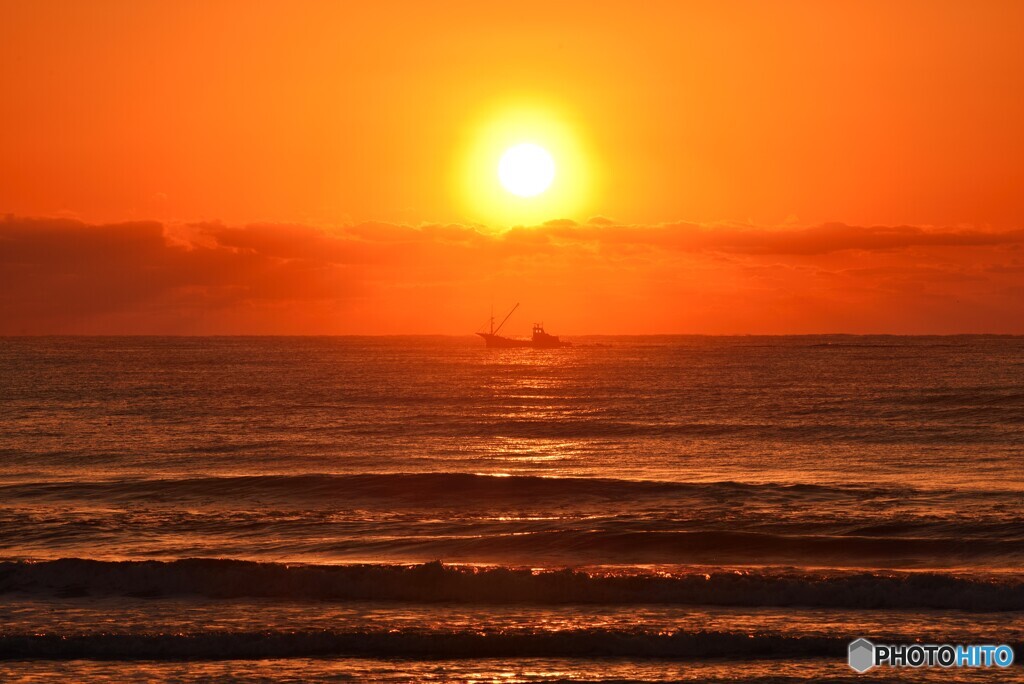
column 435, row 582
column 835, row 426
column 617, row 542
column 583, row 643
column 713, row 546
column 418, row 488
column 593, row 520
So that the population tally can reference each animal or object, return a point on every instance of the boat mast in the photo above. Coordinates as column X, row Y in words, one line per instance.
column 495, row 332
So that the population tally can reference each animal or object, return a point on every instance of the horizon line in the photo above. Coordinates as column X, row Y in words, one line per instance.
column 470, row 335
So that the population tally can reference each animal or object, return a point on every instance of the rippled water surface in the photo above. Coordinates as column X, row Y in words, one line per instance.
column 727, row 508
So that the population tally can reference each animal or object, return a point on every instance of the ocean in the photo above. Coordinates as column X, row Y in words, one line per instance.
column 426, row 509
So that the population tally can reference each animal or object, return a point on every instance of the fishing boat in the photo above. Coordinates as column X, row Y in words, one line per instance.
column 539, row 340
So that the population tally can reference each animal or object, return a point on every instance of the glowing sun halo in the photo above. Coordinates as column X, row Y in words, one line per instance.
column 526, row 169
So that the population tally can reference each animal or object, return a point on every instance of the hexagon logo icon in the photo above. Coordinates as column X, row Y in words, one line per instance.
column 862, row 655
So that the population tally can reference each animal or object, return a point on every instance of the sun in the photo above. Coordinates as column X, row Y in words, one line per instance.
column 526, row 169
column 521, row 163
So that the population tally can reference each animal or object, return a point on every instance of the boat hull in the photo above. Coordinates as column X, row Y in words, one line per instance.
column 499, row 342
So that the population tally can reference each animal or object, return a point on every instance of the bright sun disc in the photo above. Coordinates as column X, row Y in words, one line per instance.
column 526, row 170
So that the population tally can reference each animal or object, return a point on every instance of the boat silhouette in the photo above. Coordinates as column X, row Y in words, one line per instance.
column 539, row 340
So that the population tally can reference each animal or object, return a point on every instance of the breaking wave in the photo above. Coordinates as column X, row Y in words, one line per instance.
column 416, row 644
column 434, row 582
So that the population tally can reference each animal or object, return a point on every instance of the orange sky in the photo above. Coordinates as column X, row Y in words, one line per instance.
column 299, row 167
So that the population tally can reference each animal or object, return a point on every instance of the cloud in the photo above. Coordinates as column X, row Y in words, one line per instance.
column 61, row 275
column 823, row 239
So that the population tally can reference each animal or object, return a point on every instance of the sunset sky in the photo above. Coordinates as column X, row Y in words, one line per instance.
column 332, row 168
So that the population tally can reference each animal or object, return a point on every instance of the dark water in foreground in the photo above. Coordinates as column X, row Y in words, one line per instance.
column 660, row 508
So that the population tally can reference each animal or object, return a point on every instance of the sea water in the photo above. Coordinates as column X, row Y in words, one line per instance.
column 425, row 509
